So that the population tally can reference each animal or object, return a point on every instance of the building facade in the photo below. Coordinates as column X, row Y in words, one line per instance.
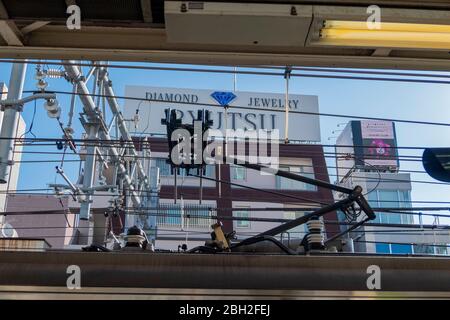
column 230, row 193
column 367, row 156
column 228, row 197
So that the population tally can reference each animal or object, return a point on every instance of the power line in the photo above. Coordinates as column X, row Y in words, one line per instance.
column 393, row 225
column 159, row 157
column 45, row 161
column 187, row 216
column 26, row 192
column 303, row 165
column 262, row 190
column 147, row 157
column 266, row 73
column 258, row 109
column 246, row 140
column 130, row 144
column 387, row 231
column 201, row 212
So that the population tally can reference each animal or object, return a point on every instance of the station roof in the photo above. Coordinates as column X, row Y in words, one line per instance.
column 245, row 32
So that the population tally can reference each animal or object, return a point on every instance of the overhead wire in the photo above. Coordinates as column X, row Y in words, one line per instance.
column 259, row 109
column 266, row 73
column 246, row 140
column 129, row 144
column 144, row 157
column 378, row 118
column 149, row 211
column 29, row 192
column 141, row 100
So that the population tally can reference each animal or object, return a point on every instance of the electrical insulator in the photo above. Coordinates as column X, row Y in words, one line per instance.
column 315, row 236
column 68, row 132
column 52, row 107
column 136, row 237
column 39, row 74
column 55, row 73
column 41, row 84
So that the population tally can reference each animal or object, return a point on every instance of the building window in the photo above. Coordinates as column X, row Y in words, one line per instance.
column 423, row 249
column 391, row 199
column 401, row 248
column 289, row 184
column 443, row 249
column 299, row 231
column 382, row 248
column 164, row 169
column 195, row 216
column 238, row 173
column 169, row 216
column 242, row 214
column 393, row 248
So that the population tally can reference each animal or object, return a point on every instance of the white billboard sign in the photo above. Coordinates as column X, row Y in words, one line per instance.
column 377, row 129
column 256, row 110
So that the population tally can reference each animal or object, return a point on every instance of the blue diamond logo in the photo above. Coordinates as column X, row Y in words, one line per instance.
column 223, row 98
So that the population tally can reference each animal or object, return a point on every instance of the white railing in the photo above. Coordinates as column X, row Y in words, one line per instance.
column 187, row 217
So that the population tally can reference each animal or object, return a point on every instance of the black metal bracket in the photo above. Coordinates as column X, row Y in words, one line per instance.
column 354, row 195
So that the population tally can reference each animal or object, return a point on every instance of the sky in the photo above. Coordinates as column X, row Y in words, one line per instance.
column 398, row 100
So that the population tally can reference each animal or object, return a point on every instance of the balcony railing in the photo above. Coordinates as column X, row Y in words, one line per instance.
column 188, row 216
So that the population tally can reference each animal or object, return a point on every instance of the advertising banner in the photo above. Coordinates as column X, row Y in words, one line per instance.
column 379, row 144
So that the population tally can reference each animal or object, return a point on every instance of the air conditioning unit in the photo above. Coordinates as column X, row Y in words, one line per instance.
column 237, row 24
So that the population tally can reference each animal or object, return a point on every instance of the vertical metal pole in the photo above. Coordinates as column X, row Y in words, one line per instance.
column 175, row 186
column 234, row 79
column 225, row 123
column 225, row 147
column 337, row 165
column 287, row 75
column 201, row 186
column 89, row 171
column 154, row 202
column 10, row 118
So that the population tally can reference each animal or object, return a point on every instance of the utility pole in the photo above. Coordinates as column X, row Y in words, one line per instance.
column 11, row 115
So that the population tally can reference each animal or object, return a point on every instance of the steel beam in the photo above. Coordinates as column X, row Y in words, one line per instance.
column 89, row 171
column 89, row 108
column 432, row 61
column 126, row 136
column 33, row 27
column 3, row 12
column 146, row 11
column 10, row 33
